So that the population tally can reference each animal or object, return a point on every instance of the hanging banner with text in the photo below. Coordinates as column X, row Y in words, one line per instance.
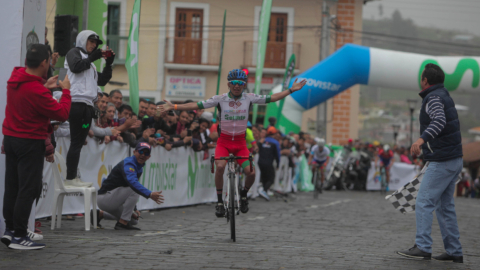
column 181, row 174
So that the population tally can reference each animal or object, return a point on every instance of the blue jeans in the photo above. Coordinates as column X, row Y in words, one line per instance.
column 436, row 194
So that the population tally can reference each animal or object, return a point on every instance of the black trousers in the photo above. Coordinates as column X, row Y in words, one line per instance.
column 23, row 180
column 80, row 119
column 267, row 175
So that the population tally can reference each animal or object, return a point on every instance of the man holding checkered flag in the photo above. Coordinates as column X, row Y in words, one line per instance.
column 441, row 144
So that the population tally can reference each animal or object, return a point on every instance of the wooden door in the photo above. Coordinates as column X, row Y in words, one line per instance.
column 277, row 41
column 188, row 36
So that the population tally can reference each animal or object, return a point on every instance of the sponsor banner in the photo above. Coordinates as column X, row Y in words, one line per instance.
column 185, row 86
column 96, row 162
column 181, row 174
column 283, row 176
column 34, row 16
column 400, row 175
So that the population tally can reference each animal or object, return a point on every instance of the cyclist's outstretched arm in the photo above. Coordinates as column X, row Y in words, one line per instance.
column 295, row 87
column 180, row 107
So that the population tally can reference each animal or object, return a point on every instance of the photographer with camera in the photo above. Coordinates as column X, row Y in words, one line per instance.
column 84, row 79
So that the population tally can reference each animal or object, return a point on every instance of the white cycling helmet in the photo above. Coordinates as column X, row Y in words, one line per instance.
column 386, row 147
column 320, row 142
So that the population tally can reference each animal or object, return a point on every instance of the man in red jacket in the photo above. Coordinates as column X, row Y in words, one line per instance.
column 30, row 106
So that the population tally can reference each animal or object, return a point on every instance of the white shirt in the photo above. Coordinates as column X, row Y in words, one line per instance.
column 233, row 114
column 320, row 156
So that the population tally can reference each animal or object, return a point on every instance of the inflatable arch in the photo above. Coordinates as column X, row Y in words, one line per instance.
column 353, row 64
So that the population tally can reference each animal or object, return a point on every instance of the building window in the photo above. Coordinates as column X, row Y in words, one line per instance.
column 277, row 41
column 188, row 36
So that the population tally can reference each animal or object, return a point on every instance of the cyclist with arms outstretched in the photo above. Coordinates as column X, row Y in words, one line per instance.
column 233, row 108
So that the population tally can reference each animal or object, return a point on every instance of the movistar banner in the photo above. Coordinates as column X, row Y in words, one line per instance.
column 354, row 64
column 181, row 174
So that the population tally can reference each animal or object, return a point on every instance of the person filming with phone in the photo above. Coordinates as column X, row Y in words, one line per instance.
column 84, row 79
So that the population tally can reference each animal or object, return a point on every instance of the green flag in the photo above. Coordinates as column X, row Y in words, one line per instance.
column 131, row 63
column 286, row 83
column 262, row 47
column 221, row 57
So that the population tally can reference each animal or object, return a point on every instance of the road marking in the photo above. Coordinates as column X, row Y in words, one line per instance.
column 156, row 233
column 328, row 204
column 256, row 218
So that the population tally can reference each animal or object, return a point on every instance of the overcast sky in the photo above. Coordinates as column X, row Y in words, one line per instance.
column 445, row 14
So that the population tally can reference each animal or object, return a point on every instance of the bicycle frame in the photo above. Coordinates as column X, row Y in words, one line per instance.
column 232, row 189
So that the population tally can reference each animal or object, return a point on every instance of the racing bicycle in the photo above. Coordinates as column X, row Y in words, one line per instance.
column 232, row 200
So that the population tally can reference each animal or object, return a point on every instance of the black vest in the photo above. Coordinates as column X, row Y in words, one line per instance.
column 448, row 144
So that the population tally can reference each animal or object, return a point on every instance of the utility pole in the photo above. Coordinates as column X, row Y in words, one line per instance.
column 324, row 52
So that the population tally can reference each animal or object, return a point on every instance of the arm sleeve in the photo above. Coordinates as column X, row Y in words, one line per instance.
column 75, row 62
column 49, row 107
column 209, row 103
column 130, row 171
column 435, row 111
column 100, row 132
column 259, row 99
column 105, row 76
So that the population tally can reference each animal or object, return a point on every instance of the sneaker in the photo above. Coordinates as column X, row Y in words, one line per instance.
column 7, row 237
column 34, row 236
column 415, row 253
column 120, row 226
column 447, row 258
column 264, row 194
column 98, row 218
column 219, row 210
column 270, row 193
column 77, row 183
column 25, row 243
column 244, row 204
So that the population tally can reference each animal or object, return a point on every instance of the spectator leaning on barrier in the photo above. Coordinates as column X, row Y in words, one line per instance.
column 84, row 79
column 441, row 144
column 119, row 193
column 26, row 126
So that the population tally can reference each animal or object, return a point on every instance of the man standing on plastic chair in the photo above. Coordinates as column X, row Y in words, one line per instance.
column 120, row 191
column 30, row 106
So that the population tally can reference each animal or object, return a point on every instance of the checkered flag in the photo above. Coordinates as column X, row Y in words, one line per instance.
column 404, row 198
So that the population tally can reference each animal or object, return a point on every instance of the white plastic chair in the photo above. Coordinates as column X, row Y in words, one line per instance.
column 89, row 194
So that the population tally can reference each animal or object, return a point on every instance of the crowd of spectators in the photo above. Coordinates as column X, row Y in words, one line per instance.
column 117, row 121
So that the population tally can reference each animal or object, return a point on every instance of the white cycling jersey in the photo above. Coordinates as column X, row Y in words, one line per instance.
column 233, row 114
column 320, row 156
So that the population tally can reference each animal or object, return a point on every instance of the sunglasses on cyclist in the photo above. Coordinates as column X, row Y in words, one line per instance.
column 235, row 82
column 144, row 152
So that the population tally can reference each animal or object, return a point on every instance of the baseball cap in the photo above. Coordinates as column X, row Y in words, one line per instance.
column 350, row 140
column 143, row 146
column 97, row 38
column 271, row 131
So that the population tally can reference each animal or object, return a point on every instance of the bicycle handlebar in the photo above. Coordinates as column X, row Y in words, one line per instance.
column 231, row 157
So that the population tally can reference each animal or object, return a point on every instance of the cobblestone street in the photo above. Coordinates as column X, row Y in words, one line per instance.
column 341, row 230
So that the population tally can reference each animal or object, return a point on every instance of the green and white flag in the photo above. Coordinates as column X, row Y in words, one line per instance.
column 262, row 47
column 131, row 63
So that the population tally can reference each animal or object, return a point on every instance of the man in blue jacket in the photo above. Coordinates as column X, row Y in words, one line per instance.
column 120, row 191
column 441, row 143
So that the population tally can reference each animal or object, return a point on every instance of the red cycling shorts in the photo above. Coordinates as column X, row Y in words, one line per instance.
column 237, row 146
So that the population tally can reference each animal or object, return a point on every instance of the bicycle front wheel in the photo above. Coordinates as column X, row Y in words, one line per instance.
column 315, row 180
column 231, row 210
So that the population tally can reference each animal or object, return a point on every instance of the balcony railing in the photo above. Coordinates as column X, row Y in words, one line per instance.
column 192, row 51
column 276, row 55
column 119, row 45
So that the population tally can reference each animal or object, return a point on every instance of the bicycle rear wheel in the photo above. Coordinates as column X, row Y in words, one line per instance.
column 231, row 210
column 315, row 180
